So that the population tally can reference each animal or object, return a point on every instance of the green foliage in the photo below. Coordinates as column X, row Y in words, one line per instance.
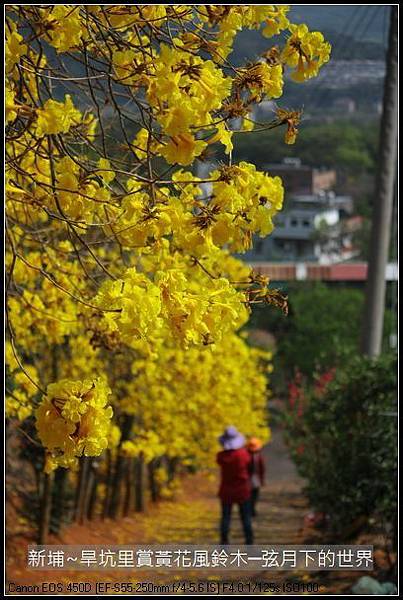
column 361, row 239
column 348, row 146
column 344, row 442
column 322, row 329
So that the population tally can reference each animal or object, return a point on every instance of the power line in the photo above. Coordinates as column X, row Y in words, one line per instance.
column 326, row 92
column 350, row 24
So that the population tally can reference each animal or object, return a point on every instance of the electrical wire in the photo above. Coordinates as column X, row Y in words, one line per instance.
column 367, row 22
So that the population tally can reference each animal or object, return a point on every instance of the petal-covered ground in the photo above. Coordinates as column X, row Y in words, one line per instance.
column 192, row 517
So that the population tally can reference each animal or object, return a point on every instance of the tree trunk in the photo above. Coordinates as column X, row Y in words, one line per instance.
column 93, row 491
column 154, row 491
column 139, row 483
column 90, row 480
column 46, row 508
column 172, row 464
column 82, row 489
column 129, row 487
column 119, row 469
column 108, row 484
column 59, row 494
column 78, row 487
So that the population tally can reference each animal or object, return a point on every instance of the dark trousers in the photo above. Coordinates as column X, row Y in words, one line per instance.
column 254, row 499
column 246, row 518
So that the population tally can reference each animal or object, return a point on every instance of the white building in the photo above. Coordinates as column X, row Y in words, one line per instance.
column 309, row 228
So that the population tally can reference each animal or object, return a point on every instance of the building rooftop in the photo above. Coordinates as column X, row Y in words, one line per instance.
column 343, row 271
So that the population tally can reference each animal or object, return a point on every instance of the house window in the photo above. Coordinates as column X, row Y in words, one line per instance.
column 294, row 222
column 283, row 245
column 306, row 223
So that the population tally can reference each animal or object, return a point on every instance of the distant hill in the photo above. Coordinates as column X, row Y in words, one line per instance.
column 362, row 22
column 355, row 32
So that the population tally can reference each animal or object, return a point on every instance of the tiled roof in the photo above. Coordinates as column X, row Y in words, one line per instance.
column 313, row 271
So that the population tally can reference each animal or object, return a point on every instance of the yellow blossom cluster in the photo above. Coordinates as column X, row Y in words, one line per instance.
column 305, row 50
column 42, row 307
column 19, row 403
column 73, row 420
column 242, row 202
column 228, row 383
column 271, row 19
column 56, row 117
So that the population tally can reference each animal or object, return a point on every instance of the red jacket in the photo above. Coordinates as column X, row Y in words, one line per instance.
column 235, row 478
column 257, row 467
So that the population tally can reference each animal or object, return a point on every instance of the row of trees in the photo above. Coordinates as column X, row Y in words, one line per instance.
column 124, row 301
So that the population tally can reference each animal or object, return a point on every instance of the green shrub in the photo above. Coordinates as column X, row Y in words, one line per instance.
column 343, row 438
column 322, row 329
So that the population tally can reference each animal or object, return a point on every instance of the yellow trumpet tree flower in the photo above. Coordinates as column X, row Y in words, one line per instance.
column 124, row 300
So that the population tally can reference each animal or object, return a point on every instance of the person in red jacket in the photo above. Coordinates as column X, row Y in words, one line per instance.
column 257, row 471
column 235, row 486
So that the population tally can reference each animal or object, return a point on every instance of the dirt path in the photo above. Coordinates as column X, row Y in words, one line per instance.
column 192, row 517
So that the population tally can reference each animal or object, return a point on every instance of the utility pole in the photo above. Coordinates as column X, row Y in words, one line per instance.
column 371, row 341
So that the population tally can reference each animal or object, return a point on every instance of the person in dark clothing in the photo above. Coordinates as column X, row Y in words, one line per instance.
column 235, row 486
column 257, row 471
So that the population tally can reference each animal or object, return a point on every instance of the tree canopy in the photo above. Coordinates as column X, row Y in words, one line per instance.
column 124, row 301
